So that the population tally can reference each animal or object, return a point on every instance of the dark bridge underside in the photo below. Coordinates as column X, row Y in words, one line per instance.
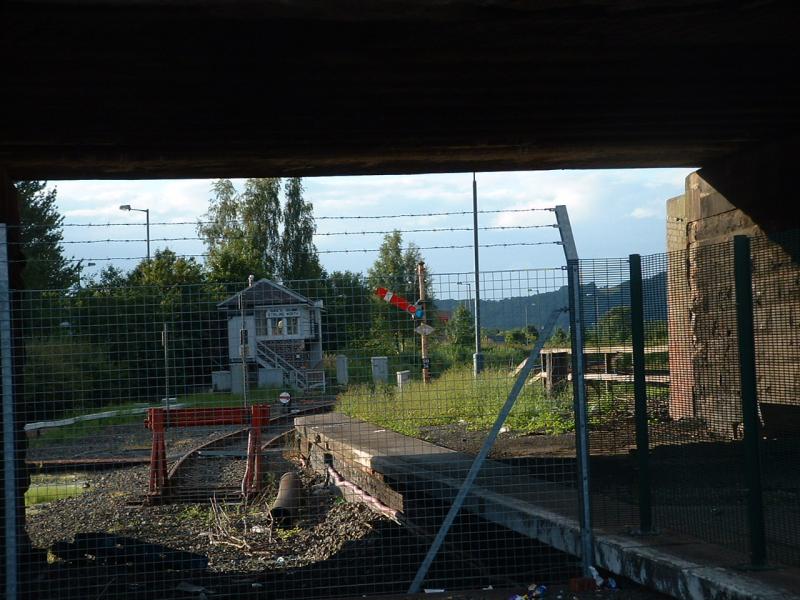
column 159, row 88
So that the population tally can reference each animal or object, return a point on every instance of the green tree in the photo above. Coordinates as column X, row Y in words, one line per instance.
column 242, row 230
column 111, row 277
column 167, row 270
column 559, row 339
column 47, row 268
column 461, row 327
column 396, row 270
column 516, row 336
column 614, row 327
column 299, row 258
column 348, row 320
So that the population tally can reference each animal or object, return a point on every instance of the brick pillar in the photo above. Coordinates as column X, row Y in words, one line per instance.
column 679, row 312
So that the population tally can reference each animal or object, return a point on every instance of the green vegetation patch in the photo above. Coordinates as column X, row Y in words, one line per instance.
column 456, row 397
column 39, row 493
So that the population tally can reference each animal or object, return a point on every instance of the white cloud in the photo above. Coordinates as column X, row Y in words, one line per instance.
column 644, row 212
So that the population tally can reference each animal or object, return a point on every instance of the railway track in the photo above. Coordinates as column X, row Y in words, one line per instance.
column 216, row 467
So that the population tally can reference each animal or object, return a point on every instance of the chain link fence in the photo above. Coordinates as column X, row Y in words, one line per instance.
column 699, row 479
column 138, row 407
column 308, row 438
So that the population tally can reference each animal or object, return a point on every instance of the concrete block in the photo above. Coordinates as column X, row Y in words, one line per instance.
column 380, row 369
column 270, row 377
column 221, row 381
column 403, row 378
column 342, row 375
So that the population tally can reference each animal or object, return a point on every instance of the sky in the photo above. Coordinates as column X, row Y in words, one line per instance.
column 613, row 213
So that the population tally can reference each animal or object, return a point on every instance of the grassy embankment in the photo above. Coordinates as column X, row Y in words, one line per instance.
column 456, row 397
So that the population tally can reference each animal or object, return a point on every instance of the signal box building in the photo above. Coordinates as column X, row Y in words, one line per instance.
column 275, row 334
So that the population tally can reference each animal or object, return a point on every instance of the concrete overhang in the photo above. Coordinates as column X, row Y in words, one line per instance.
column 198, row 88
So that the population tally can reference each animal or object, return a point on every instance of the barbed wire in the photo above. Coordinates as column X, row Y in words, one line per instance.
column 343, row 251
column 322, row 234
column 316, row 218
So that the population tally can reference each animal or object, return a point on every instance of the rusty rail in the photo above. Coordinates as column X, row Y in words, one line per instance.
column 172, row 474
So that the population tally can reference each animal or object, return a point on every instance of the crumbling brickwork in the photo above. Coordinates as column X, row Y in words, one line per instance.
column 703, row 342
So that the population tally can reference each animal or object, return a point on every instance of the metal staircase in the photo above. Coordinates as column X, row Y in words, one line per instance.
column 303, row 379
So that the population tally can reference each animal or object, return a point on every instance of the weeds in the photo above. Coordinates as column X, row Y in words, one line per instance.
column 456, row 397
column 37, row 494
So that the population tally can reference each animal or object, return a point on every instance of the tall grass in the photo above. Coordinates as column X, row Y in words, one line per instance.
column 456, row 397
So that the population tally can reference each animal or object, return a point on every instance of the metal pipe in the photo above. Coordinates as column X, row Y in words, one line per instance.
column 9, row 435
column 284, row 509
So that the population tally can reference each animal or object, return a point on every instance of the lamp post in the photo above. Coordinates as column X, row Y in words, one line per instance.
column 469, row 289
column 146, row 212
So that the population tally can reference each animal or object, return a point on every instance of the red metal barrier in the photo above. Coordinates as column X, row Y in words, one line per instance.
column 253, row 474
column 160, row 419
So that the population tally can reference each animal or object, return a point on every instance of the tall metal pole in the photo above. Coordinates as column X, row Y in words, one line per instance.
column 578, row 386
column 9, row 437
column 640, row 393
column 244, row 350
column 477, row 358
column 743, row 282
column 147, row 218
column 165, row 343
column 426, row 362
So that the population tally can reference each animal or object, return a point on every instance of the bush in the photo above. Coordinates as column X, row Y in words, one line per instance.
column 63, row 374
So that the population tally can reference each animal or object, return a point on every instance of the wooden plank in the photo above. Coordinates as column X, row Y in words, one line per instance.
column 618, row 377
column 607, row 350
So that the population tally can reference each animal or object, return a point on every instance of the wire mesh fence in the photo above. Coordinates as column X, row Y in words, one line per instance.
column 138, row 403
column 776, row 315
column 697, row 477
column 308, row 437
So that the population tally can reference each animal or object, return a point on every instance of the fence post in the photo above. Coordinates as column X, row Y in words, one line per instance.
column 578, row 386
column 9, row 425
column 640, row 394
column 747, row 369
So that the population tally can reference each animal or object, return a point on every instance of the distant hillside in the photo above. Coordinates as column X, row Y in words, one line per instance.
column 509, row 313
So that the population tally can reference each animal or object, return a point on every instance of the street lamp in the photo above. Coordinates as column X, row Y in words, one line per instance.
column 146, row 211
column 469, row 289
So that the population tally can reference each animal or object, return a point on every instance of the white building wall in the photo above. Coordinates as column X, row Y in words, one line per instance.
column 234, row 325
